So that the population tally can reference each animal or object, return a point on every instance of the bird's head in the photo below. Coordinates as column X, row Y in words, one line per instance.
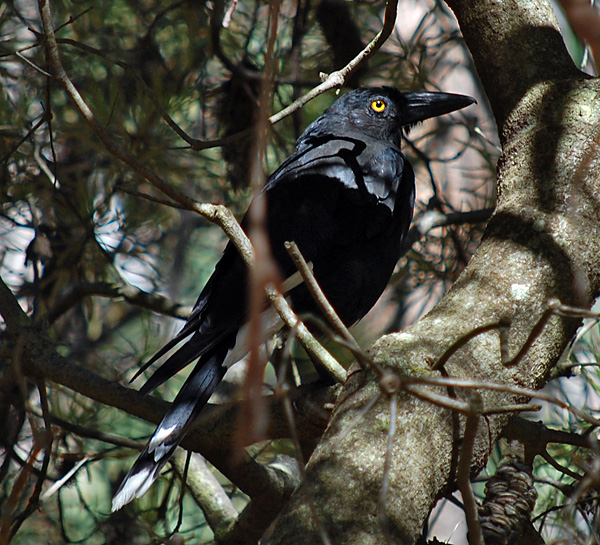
column 382, row 112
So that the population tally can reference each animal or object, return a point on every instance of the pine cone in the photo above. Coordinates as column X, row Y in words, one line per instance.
column 510, row 497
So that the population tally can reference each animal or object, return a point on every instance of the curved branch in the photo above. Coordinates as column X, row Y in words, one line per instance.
column 131, row 294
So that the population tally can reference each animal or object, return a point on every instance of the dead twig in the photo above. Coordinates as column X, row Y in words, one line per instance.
column 464, row 470
column 328, row 311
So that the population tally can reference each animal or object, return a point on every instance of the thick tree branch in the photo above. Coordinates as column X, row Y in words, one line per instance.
column 542, row 243
column 496, row 34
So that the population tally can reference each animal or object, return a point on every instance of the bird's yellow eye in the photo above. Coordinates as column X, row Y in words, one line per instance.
column 378, row 105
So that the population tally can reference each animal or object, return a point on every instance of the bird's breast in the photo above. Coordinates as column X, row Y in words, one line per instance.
column 382, row 167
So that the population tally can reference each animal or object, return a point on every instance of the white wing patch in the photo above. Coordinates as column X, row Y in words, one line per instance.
column 159, row 437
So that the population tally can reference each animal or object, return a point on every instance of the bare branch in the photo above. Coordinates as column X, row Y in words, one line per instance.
column 321, row 299
column 464, row 469
column 338, row 78
column 207, row 492
column 131, row 294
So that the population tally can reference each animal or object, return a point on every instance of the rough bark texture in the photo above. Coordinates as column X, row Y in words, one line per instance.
column 543, row 242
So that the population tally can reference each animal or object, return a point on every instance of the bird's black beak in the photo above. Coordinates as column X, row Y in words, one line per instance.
column 423, row 105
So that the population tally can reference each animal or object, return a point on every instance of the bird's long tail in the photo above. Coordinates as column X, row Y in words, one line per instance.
column 193, row 396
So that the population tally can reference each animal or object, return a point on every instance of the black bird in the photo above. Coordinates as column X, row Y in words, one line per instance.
column 346, row 198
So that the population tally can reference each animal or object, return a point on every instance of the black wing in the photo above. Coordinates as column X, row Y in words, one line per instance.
column 347, row 209
column 347, row 202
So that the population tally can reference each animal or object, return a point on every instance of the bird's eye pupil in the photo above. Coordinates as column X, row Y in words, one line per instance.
column 378, row 105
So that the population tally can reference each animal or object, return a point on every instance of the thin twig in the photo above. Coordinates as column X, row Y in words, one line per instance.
column 338, row 78
column 91, row 433
column 253, row 421
column 516, row 408
column 30, row 132
column 310, row 344
column 131, row 294
column 497, row 387
column 206, row 491
column 32, row 64
column 448, row 402
column 437, row 399
column 321, row 299
column 49, row 492
column 73, row 18
column 463, row 478
column 455, row 347
column 559, row 467
column 553, row 307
